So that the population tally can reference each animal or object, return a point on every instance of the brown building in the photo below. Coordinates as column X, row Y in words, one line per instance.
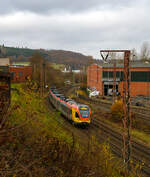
column 101, row 77
column 4, row 64
column 20, row 73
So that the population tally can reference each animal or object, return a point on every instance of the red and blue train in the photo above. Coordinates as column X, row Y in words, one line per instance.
column 77, row 113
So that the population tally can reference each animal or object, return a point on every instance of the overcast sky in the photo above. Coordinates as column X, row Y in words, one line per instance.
column 82, row 26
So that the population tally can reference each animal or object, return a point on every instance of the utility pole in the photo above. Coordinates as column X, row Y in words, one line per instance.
column 127, row 114
column 41, row 78
column 73, row 78
column 148, row 80
column 126, row 104
column 114, row 81
column 44, row 75
column 34, row 71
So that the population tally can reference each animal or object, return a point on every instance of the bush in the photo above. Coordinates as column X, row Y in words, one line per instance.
column 81, row 92
column 40, row 145
column 83, row 86
column 117, row 111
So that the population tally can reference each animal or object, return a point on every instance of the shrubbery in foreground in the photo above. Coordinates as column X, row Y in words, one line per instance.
column 37, row 146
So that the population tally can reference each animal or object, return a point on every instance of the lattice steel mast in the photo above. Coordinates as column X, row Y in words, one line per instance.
column 126, row 103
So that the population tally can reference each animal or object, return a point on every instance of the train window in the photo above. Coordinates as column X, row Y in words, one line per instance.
column 20, row 74
column 70, row 112
column 13, row 74
column 77, row 115
column 63, row 107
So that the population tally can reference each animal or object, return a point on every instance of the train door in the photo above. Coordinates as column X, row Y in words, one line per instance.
column 75, row 115
column 69, row 114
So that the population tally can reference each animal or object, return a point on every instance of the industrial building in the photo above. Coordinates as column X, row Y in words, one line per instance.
column 101, row 77
column 19, row 73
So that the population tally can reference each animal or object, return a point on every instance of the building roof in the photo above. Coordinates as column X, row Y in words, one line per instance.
column 20, row 66
column 4, row 62
column 139, row 64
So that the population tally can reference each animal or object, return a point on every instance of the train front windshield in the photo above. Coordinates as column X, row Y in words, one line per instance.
column 84, row 112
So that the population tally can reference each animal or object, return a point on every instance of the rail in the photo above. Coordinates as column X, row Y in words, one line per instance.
column 141, row 113
column 140, row 152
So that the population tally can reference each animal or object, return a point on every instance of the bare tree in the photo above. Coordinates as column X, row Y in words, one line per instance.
column 145, row 51
column 2, row 50
column 134, row 55
column 113, row 55
column 90, row 60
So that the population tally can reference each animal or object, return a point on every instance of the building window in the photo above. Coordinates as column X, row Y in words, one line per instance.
column 136, row 76
column 140, row 76
column 109, row 74
column 13, row 75
column 20, row 74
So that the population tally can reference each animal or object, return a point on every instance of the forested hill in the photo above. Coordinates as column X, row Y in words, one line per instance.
column 73, row 59
column 68, row 58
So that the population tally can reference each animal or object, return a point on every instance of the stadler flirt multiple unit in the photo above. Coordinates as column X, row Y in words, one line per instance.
column 76, row 112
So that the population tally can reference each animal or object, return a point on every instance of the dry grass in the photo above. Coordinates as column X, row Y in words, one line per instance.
column 36, row 146
column 117, row 111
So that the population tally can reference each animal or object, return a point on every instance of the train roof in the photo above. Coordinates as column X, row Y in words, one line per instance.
column 67, row 100
column 58, row 94
column 53, row 87
column 83, row 105
column 72, row 102
column 53, row 90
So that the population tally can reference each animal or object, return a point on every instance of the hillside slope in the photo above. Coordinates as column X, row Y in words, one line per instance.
column 74, row 59
column 35, row 143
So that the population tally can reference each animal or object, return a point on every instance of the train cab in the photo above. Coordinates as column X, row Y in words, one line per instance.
column 81, row 115
column 77, row 113
column 84, row 111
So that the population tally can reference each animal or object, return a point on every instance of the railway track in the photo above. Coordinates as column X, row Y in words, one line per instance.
column 104, row 132
column 140, row 152
column 140, row 113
